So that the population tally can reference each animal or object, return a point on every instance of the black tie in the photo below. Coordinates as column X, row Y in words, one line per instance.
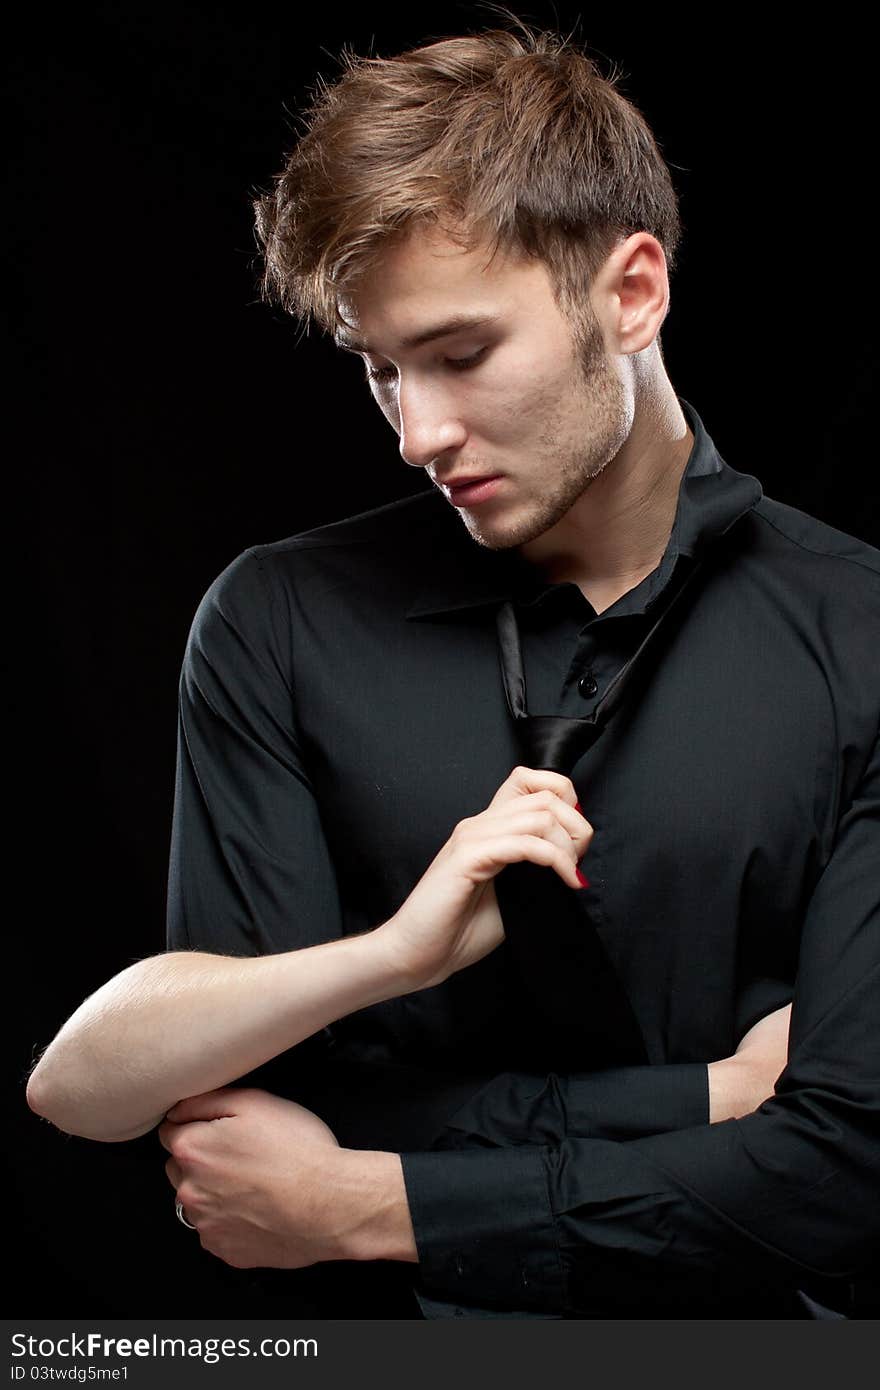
column 576, row 1012
column 554, row 741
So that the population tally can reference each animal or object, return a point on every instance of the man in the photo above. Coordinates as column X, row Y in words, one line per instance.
column 531, row 1047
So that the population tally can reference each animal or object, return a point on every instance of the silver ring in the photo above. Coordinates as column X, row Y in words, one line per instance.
column 178, row 1208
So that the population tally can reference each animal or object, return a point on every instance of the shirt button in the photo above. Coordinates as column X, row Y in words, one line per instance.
column 588, row 685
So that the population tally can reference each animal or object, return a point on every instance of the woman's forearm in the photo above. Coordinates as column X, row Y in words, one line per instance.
column 185, row 1022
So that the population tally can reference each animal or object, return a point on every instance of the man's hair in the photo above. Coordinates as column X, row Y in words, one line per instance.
column 509, row 136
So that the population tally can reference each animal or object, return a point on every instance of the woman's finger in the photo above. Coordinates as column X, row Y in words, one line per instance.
column 514, row 849
column 573, row 822
column 524, row 780
column 524, row 820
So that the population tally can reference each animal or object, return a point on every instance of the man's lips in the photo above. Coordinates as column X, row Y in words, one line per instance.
column 467, row 490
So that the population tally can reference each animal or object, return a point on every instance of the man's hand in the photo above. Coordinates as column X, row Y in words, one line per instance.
column 451, row 917
column 266, row 1185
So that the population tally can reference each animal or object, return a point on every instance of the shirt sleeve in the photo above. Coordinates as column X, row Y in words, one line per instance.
column 770, row 1201
column 609, row 1103
column 250, row 872
column 614, row 1103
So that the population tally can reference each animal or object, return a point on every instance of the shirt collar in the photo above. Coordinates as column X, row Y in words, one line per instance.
column 711, row 497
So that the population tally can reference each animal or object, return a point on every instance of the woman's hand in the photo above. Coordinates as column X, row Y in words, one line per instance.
column 451, row 917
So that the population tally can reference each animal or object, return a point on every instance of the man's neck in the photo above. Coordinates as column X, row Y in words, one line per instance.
column 616, row 533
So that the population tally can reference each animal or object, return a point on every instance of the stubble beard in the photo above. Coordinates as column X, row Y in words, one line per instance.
column 579, row 468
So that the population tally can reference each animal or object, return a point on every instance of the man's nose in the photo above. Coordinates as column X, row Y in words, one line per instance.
column 429, row 424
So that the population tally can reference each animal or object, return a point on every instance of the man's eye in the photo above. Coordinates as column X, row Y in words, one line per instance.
column 385, row 375
column 461, row 364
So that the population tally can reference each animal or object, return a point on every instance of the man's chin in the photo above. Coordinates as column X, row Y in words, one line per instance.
column 503, row 533
column 500, row 537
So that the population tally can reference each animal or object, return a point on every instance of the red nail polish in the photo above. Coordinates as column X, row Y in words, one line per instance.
column 579, row 807
column 584, row 881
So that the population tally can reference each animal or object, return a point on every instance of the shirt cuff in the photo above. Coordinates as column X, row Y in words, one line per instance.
column 484, row 1230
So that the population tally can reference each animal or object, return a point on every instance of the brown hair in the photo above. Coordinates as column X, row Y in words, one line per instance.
column 515, row 137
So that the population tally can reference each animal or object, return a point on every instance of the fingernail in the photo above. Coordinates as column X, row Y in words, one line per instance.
column 585, row 882
column 579, row 807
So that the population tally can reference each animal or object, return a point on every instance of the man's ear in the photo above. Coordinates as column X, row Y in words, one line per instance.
column 631, row 294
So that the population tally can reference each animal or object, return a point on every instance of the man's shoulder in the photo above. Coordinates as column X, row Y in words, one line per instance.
column 856, row 561
column 378, row 554
column 390, row 524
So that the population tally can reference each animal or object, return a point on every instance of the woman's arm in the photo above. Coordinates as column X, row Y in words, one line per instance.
column 186, row 1022
column 180, row 1024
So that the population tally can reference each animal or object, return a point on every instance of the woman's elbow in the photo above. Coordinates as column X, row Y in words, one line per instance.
column 54, row 1103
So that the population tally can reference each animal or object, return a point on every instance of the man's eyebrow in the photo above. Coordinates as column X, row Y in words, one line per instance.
column 457, row 324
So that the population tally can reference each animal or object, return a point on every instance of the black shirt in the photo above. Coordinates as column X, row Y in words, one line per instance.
column 341, row 709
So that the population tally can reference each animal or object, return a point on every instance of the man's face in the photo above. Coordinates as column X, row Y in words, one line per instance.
column 505, row 394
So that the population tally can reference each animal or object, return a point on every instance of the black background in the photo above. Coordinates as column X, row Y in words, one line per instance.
column 169, row 420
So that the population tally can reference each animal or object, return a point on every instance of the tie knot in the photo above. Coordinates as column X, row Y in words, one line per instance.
column 554, row 741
